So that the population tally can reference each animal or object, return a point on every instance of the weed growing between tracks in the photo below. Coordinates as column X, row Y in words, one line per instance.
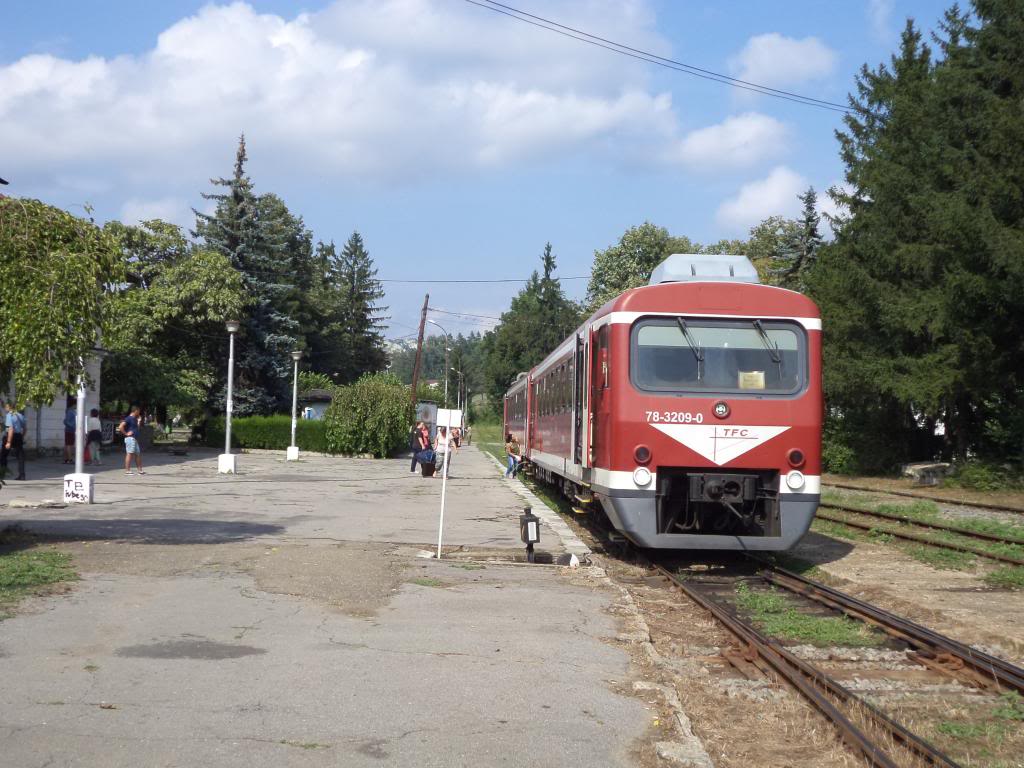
column 1003, row 577
column 778, row 616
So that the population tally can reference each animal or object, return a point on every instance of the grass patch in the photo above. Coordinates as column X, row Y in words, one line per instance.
column 942, row 559
column 969, row 731
column 1007, row 577
column 427, row 581
column 1011, row 707
column 468, row 566
column 777, row 616
column 838, row 530
column 24, row 572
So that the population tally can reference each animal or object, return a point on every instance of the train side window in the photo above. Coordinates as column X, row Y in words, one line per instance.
column 603, row 361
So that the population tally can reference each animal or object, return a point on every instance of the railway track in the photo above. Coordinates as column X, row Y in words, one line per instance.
column 837, row 703
column 927, row 497
column 927, row 524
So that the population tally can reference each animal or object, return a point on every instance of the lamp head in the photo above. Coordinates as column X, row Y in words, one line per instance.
column 297, row 355
column 233, row 326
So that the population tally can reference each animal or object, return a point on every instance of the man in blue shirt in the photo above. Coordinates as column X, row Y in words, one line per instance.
column 13, row 439
column 130, row 429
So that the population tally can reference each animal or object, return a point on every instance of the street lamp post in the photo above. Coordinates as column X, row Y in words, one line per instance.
column 448, row 340
column 458, row 391
column 293, row 449
column 226, row 461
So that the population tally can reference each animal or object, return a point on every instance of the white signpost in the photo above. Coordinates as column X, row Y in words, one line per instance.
column 448, row 418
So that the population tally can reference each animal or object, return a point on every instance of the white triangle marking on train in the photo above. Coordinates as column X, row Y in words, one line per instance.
column 720, row 442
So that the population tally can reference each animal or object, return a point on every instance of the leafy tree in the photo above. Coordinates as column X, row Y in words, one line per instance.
column 167, row 337
column 56, row 271
column 629, row 263
column 766, row 243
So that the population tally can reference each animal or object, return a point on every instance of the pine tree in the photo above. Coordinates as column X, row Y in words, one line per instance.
column 352, row 340
column 539, row 318
column 799, row 250
column 255, row 234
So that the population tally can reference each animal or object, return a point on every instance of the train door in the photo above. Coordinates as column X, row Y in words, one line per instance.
column 600, row 400
column 578, row 400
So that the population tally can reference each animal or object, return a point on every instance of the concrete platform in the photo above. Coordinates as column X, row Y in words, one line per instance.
column 282, row 617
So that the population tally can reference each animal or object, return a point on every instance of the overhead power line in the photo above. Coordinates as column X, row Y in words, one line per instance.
column 653, row 58
column 463, row 314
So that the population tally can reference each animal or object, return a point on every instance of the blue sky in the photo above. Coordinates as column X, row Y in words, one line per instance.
column 456, row 140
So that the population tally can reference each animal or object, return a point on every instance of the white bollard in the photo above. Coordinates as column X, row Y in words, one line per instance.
column 292, row 454
column 78, row 488
column 226, row 464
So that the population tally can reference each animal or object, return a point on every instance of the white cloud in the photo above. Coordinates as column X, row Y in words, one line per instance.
column 374, row 88
column 173, row 209
column 779, row 61
column 774, row 195
column 737, row 142
column 879, row 16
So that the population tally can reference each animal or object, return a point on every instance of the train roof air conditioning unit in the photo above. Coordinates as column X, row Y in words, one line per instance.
column 704, row 267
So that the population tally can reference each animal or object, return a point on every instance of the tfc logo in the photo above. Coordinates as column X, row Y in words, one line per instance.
column 719, row 444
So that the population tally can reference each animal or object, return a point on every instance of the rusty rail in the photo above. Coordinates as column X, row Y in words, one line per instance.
column 909, row 536
column 927, row 524
column 817, row 686
column 989, row 671
column 927, row 497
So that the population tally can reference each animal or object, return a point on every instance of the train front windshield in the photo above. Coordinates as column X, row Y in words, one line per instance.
column 702, row 355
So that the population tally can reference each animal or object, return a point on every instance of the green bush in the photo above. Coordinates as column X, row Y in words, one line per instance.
column 983, row 476
column 270, row 432
column 373, row 415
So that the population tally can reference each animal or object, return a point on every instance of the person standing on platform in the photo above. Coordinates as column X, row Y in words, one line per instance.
column 513, row 453
column 129, row 427
column 70, row 425
column 95, row 436
column 13, row 439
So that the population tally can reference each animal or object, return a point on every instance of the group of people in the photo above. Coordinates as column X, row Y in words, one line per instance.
column 12, row 440
column 128, row 428
column 425, row 451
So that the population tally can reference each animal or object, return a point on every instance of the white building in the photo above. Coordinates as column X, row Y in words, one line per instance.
column 45, row 426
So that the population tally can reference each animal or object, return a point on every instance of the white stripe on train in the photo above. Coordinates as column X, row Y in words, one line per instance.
column 621, row 480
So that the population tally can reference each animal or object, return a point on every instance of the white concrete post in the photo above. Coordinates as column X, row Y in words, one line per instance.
column 226, row 461
column 78, row 485
column 293, row 449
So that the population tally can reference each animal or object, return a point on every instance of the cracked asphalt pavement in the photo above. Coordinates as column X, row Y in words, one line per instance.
column 283, row 618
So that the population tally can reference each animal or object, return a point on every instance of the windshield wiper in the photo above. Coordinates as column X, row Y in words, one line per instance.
column 698, row 351
column 771, row 346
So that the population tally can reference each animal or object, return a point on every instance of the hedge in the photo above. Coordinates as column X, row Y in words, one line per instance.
column 271, row 432
column 373, row 416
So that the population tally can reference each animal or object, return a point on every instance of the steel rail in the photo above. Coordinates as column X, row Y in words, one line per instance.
column 921, row 539
column 814, row 684
column 927, row 497
column 1006, row 675
column 926, row 524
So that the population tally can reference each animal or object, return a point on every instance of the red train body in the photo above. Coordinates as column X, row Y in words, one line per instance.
column 689, row 409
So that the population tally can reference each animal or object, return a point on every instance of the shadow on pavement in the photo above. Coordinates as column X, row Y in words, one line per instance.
column 23, row 533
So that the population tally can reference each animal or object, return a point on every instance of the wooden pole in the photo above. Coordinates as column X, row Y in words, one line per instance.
column 419, row 349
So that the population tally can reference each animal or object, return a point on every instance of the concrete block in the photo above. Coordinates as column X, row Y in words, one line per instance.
column 226, row 464
column 292, row 454
column 78, row 488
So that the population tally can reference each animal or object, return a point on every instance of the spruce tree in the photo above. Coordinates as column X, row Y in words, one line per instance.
column 255, row 234
column 798, row 252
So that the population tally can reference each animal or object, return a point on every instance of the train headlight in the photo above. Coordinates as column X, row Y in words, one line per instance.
column 795, row 480
column 642, row 454
column 795, row 457
column 642, row 476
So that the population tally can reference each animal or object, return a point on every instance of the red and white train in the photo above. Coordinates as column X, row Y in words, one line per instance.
column 690, row 409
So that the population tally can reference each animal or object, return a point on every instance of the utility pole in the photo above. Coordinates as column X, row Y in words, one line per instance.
column 419, row 349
